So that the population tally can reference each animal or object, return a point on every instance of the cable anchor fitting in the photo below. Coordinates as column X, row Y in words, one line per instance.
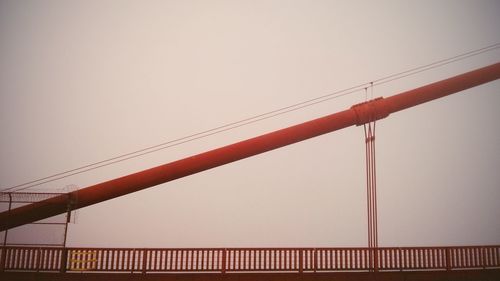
column 370, row 111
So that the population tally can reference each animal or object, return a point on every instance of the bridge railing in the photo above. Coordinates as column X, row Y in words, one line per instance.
column 247, row 259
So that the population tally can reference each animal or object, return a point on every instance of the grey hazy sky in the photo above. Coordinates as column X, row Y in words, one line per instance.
column 82, row 81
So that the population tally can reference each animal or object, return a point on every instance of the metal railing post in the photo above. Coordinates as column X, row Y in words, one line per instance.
column 131, row 262
column 301, row 260
column 400, row 253
column 3, row 258
column 448, row 259
column 4, row 248
column 483, row 258
column 64, row 260
column 39, row 259
column 315, row 257
column 224, row 257
column 144, row 261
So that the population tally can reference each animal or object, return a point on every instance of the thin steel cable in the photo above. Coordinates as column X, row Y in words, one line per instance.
column 250, row 120
column 165, row 147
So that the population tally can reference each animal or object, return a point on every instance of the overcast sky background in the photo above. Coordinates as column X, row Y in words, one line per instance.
column 83, row 81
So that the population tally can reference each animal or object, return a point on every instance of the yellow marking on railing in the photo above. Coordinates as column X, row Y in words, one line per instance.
column 81, row 260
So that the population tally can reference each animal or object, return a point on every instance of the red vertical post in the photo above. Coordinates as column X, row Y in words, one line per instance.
column 267, row 259
column 132, row 261
column 463, row 254
column 254, row 265
column 301, row 260
column 175, row 261
column 213, row 259
column 331, row 256
column 183, row 265
column 64, row 260
column 3, row 258
column 483, row 258
column 39, row 261
column 238, row 259
column 448, row 259
column 144, row 261
column 400, row 253
column 123, row 254
column 202, row 261
column 192, row 259
column 49, row 260
column 315, row 259
column 224, row 257
column 244, row 259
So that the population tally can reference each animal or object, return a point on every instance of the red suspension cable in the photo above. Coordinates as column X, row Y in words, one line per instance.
column 371, row 187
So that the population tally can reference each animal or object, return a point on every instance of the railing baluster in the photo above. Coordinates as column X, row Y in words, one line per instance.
column 144, row 260
column 434, row 258
column 112, row 260
column 31, row 259
column 281, row 260
column 175, row 259
column 486, row 256
column 493, row 253
column 131, row 261
column 184, row 259
column 315, row 258
column 19, row 259
column 38, row 259
column 463, row 257
column 483, row 257
column 2, row 258
column 470, row 253
column 53, row 259
column 352, row 257
column 275, row 259
column 216, row 256
column 245, row 266
column 122, row 256
column 255, row 259
column 210, row 259
column 473, row 258
column 491, row 257
column 64, row 260
column 50, row 258
column 278, row 260
column 448, row 259
column 288, row 259
column 223, row 265
column 476, row 257
column 463, row 261
column 285, row 259
column 202, row 261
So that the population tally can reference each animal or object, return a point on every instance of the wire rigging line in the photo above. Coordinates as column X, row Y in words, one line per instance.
column 177, row 142
column 249, row 120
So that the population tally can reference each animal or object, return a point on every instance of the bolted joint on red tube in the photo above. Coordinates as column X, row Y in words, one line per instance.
column 370, row 111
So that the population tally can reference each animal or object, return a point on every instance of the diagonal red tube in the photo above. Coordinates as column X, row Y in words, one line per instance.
column 357, row 115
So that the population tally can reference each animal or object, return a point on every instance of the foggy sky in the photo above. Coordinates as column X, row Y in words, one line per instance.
column 83, row 81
